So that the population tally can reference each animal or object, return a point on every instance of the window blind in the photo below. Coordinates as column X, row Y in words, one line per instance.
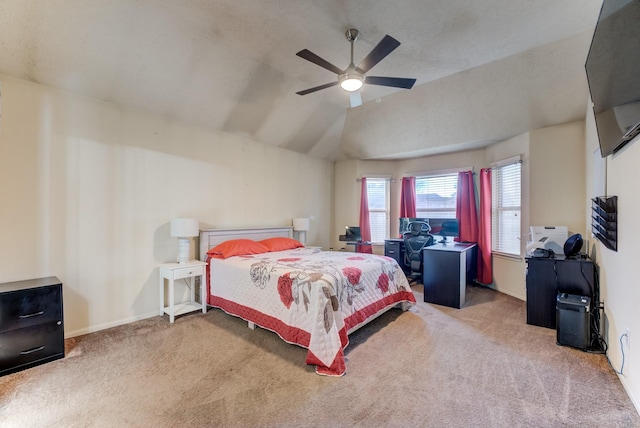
column 378, row 195
column 436, row 196
column 506, row 209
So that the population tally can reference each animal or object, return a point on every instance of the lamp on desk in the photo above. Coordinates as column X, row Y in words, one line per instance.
column 184, row 229
column 301, row 225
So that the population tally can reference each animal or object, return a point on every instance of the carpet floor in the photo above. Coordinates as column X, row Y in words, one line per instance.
column 432, row 366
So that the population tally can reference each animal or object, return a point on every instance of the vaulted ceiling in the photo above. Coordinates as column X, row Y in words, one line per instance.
column 485, row 70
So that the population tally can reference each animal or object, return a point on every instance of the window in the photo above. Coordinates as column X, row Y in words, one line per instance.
column 378, row 195
column 436, row 196
column 505, row 209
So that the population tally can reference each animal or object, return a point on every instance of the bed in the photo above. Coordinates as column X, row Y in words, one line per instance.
column 309, row 297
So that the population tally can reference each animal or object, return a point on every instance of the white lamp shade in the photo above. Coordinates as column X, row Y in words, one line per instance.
column 184, row 227
column 301, row 224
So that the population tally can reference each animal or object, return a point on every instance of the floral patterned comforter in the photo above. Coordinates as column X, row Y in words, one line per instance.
column 309, row 297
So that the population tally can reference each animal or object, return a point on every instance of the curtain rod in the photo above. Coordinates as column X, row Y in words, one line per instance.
column 440, row 172
column 505, row 162
column 393, row 180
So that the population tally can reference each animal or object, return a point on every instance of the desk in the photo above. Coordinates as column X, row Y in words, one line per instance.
column 546, row 277
column 358, row 244
column 446, row 270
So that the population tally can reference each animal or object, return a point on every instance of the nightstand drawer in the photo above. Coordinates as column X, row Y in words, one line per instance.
column 188, row 271
column 30, row 346
column 24, row 308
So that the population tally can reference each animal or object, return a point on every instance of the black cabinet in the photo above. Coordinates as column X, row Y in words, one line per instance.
column 447, row 269
column 31, row 323
column 394, row 248
column 546, row 277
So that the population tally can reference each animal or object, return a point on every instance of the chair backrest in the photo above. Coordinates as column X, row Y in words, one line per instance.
column 417, row 228
column 415, row 238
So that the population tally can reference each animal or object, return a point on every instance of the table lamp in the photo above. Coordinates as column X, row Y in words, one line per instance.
column 301, row 225
column 184, row 229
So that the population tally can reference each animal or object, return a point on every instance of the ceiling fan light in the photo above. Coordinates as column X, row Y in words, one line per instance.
column 351, row 82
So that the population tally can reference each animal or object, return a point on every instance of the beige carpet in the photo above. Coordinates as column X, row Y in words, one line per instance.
column 480, row 366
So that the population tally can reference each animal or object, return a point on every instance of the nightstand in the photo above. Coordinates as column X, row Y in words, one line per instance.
column 184, row 271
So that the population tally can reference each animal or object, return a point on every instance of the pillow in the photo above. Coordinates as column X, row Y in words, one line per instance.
column 237, row 247
column 281, row 244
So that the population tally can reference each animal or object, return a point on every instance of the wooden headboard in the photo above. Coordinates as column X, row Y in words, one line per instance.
column 209, row 238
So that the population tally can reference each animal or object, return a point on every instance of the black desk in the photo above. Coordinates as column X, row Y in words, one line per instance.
column 358, row 244
column 447, row 269
column 548, row 276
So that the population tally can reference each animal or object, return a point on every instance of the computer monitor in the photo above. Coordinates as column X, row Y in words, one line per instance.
column 447, row 228
column 352, row 233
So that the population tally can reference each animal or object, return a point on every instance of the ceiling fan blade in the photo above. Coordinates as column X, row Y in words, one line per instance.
column 310, row 56
column 355, row 99
column 316, row 88
column 382, row 49
column 396, row 82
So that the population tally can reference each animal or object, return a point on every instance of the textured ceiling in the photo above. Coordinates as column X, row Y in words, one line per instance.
column 485, row 70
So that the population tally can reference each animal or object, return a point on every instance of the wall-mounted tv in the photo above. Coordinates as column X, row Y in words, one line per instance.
column 613, row 67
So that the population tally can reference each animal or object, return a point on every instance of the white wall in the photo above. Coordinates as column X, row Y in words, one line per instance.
column 88, row 189
column 557, row 185
column 346, row 200
column 619, row 289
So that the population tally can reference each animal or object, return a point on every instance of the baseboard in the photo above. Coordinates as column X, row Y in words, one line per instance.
column 104, row 326
column 508, row 293
column 629, row 392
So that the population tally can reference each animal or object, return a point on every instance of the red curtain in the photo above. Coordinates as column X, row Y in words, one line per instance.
column 408, row 197
column 466, row 211
column 485, row 269
column 365, row 227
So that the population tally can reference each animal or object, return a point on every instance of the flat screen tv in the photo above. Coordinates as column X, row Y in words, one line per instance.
column 613, row 73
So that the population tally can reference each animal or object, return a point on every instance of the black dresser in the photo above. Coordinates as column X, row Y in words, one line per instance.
column 31, row 323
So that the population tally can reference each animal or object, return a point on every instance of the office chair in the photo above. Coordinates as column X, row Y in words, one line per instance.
column 416, row 237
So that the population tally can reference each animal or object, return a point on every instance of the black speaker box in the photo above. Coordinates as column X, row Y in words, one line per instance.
column 572, row 320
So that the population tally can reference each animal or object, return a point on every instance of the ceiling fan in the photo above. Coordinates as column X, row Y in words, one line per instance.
column 352, row 78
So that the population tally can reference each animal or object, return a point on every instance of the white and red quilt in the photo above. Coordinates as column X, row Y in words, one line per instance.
column 309, row 297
